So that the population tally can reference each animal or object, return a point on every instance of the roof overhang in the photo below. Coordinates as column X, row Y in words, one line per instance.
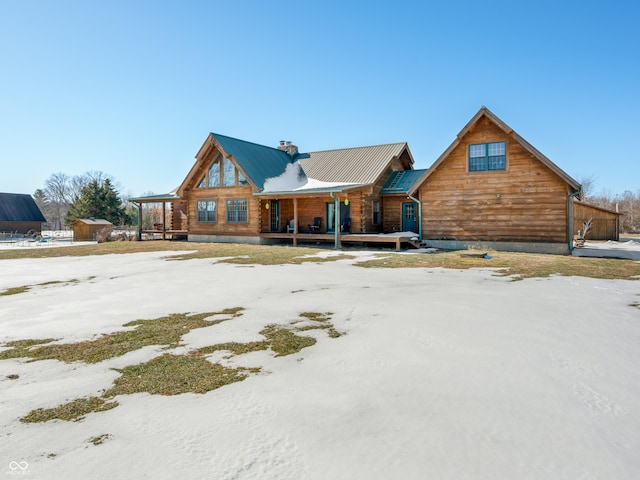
column 167, row 197
column 599, row 208
column 310, row 192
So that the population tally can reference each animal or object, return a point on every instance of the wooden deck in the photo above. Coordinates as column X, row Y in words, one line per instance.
column 157, row 234
column 396, row 241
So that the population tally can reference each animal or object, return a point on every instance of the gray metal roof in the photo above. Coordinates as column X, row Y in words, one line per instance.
column 165, row 197
column 362, row 165
column 93, row 221
column 19, row 207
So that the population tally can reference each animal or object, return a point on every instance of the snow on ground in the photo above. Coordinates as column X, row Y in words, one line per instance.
column 627, row 249
column 442, row 374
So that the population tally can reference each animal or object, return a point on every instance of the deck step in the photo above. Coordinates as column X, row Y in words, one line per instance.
column 417, row 243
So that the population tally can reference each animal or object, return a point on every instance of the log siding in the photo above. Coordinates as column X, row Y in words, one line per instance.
column 526, row 202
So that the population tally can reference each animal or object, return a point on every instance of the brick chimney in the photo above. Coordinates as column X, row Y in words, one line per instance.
column 288, row 147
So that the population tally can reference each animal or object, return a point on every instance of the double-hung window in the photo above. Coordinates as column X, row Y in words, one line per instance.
column 237, row 211
column 488, row 156
column 376, row 212
column 206, row 211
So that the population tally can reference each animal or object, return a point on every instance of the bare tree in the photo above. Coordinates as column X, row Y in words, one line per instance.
column 629, row 206
column 58, row 192
column 588, row 183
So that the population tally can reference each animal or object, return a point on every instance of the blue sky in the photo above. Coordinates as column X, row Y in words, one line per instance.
column 132, row 88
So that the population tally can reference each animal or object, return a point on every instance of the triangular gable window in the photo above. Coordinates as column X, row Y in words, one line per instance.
column 202, row 183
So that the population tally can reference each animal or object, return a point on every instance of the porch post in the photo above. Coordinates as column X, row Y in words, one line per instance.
column 336, row 221
column 295, row 222
column 164, row 219
column 139, row 205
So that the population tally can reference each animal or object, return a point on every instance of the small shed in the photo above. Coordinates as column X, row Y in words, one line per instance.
column 605, row 224
column 19, row 213
column 87, row 229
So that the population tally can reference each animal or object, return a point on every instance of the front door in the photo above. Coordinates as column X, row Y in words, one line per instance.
column 345, row 212
column 274, row 215
column 409, row 216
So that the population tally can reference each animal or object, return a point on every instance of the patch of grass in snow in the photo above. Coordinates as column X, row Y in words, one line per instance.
column 167, row 374
column 100, row 439
column 235, row 253
column 317, row 316
column 241, row 254
column 175, row 374
column 15, row 290
column 72, row 411
column 236, row 348
column 323, row 320
column 26, row 288
column 282, row 340
column 160, row 331
column 21, row 348
column 520, row 265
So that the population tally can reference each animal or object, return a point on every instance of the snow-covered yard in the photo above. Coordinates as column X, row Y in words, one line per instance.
column 442, row 374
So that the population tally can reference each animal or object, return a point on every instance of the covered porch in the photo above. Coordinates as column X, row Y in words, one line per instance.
column 338, row 215
column 161, row 217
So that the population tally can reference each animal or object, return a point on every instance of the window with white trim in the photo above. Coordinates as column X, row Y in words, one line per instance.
column 237, row 211
column 488, row 156
column 206, row 211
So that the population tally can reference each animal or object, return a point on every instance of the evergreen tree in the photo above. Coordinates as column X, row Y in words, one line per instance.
column 97, row 200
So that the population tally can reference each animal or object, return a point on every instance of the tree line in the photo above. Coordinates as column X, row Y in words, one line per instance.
column 64, row 199
column 627, row 203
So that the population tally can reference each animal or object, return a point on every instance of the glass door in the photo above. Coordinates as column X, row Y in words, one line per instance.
column 274, row 216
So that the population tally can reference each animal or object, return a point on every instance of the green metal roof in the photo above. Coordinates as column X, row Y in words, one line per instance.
column 401, row 181
column 257, row 161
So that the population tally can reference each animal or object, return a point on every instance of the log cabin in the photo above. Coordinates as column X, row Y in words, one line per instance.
column 239, row 191
column 489, row 189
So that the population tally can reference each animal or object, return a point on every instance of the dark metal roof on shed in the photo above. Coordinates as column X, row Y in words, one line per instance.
column 19, row 207
column 401, row 181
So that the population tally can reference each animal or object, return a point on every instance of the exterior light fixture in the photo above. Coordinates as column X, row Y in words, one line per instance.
column 346, row 201
column 266, row 205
